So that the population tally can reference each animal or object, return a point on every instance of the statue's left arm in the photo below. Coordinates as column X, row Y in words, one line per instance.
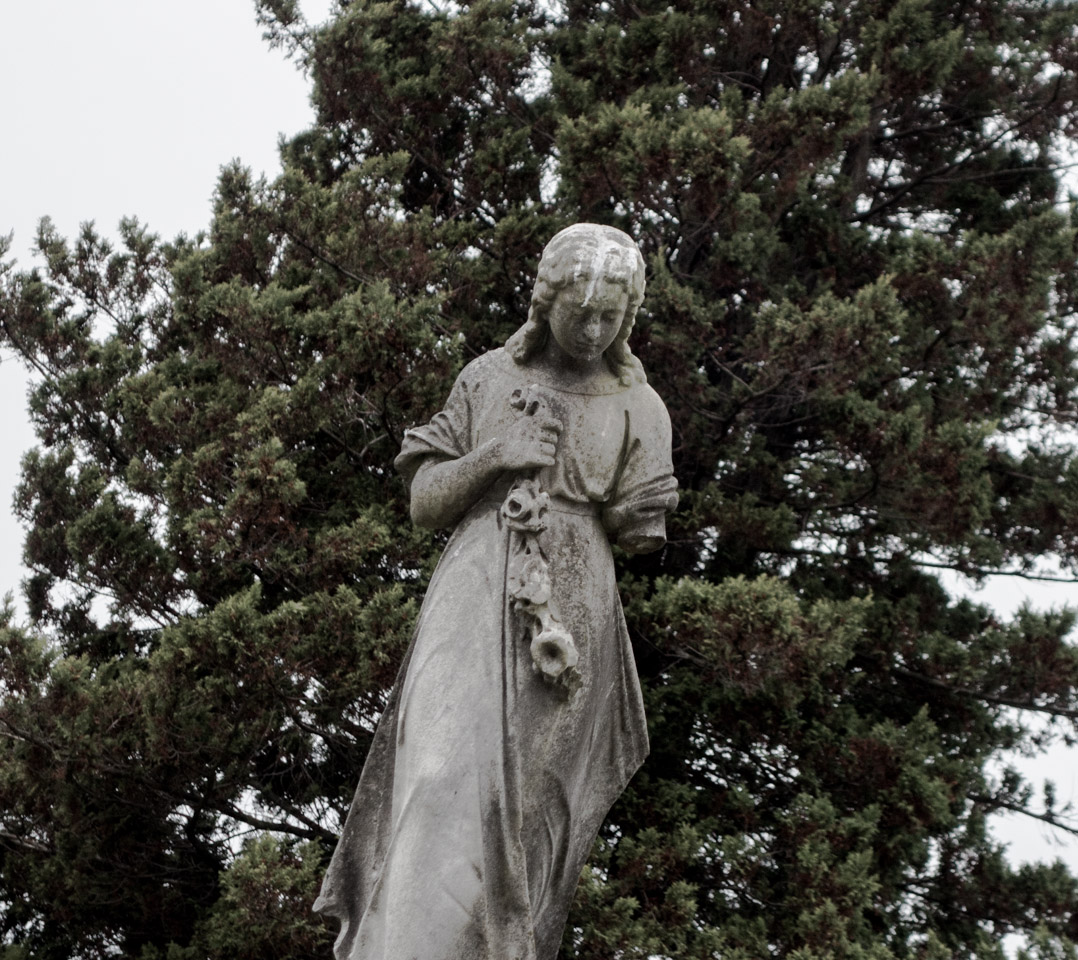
column 646, row 489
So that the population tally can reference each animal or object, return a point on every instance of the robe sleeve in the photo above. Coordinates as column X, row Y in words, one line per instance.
column 448, row 435
column 646, row 490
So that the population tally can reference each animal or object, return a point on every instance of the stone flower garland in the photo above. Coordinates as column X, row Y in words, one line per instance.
column 554, row 654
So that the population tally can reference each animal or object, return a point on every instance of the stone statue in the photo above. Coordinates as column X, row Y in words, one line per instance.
column 517, row 719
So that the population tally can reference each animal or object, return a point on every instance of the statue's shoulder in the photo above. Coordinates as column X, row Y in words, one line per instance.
column 646, row 407
column 492, row 365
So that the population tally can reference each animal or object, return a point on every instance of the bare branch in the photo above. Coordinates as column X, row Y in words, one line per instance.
column 993, row 698
column 1001, row 804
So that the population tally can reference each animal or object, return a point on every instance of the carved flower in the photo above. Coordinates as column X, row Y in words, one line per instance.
column 524, row 507
column 554, row 654
column 529, row 581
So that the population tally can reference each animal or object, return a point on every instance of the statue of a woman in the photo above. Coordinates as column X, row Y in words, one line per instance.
column 517, row 718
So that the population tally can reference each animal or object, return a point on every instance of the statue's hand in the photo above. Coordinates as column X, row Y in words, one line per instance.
column 528, row 442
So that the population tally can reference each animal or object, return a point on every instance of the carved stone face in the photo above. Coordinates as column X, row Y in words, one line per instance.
column 586, row 316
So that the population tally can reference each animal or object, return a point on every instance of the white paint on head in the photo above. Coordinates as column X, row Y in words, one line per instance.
column 597, row 269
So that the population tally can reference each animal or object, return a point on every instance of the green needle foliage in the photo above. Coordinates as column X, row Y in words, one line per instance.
column 861, row 314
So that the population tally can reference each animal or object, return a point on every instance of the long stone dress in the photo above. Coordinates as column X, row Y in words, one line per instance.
column 486, row 785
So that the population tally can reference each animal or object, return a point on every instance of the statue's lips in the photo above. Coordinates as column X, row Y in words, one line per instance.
column 586, row 347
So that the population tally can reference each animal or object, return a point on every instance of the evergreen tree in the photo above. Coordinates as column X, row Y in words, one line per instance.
column 861, row 313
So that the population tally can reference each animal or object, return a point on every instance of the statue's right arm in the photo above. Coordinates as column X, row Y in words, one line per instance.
column 444, row 490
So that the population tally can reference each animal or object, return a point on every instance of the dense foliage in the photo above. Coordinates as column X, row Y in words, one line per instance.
column 861, row 313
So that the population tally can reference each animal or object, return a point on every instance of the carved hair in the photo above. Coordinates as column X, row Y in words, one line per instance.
column 591, row 251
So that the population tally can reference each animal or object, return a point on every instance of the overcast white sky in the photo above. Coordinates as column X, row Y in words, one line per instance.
column 119, row 108
column 116, row 108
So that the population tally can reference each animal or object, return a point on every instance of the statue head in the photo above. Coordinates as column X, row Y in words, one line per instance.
column 585, row 252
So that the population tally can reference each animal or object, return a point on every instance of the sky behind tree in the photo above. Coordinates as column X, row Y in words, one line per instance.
column 130, row 108
column 127, row 108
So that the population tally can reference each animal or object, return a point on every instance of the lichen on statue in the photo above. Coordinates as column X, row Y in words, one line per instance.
column 517, row 718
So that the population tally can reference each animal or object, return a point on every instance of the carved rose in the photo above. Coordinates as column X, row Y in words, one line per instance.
column 524, row 507
column 529, row 581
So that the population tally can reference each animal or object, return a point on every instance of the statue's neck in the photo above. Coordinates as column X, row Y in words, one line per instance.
column 569, row 372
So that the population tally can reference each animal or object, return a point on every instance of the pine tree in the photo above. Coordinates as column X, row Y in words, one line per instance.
column 861, row 312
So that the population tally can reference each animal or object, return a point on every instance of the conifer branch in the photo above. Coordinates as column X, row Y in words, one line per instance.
column 1067, row 712
column 1001, row 804
column 22, row 843
column 934, row 175
column 320, row 255
column 27, row 355
column 274, row 826
column 989, row 572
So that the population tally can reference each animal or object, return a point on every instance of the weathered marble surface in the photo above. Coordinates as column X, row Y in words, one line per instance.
column 517, row 717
